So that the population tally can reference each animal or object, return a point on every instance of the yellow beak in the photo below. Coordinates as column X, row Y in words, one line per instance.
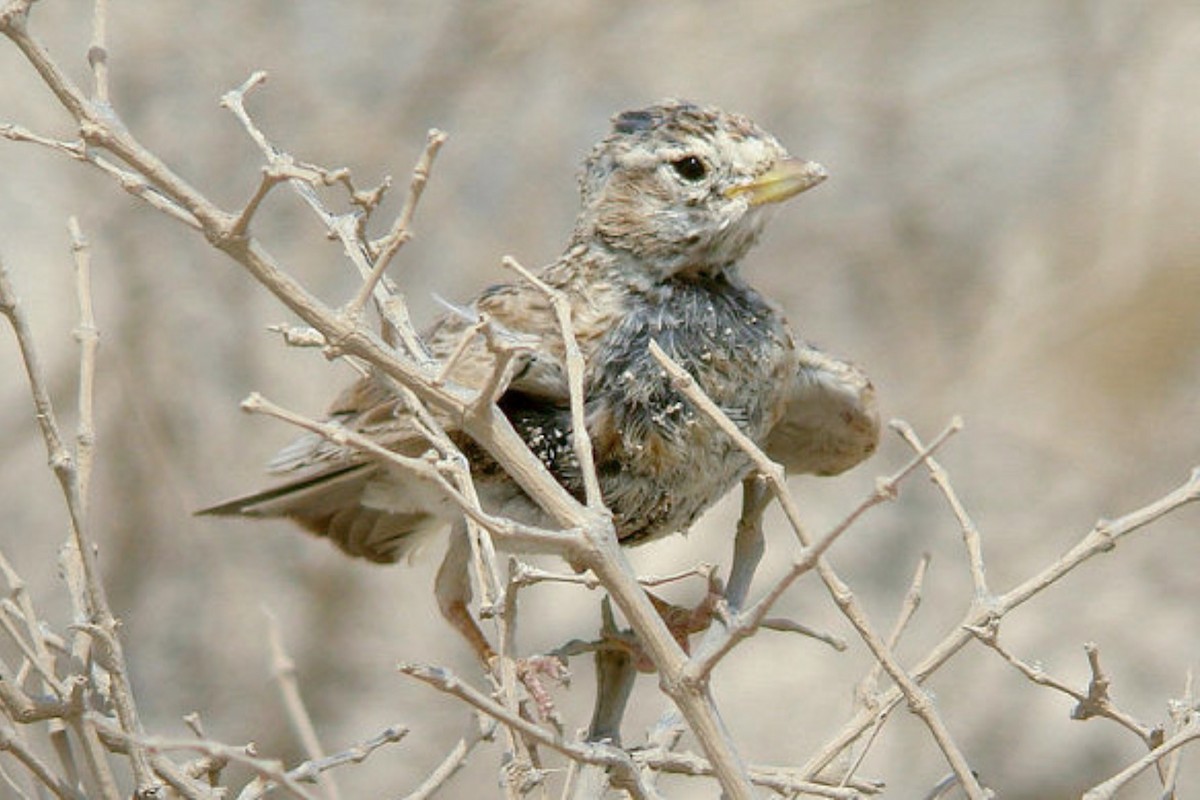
column 786, row 179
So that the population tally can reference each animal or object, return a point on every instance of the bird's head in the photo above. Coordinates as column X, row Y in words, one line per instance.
column 684, row 189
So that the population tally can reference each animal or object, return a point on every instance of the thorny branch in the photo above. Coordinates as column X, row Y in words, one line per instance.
column 101, row 624
column 585, row 752
column 1102, row 538
column 106, row 144
column 285, row 676
column 918, row 701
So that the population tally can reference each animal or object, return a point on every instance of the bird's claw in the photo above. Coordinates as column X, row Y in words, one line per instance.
column 533, row 672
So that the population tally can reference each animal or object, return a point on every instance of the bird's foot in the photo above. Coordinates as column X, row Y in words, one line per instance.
column 681, row 621
column 533, row 673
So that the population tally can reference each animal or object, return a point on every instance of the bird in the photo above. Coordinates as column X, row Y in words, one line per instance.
column 671, row 200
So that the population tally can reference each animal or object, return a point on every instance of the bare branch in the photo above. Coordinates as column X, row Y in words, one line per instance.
column 584, row 752
column 866, row 692
column 779, row 780
column 94, row 603
column 60, row 457
column 387, row 247
column 912, row 600
column 548, row 540
column 97, row 54
column 580, row 440
column 918, row 700
column 479, row 729
column 1181, row 710
column 235, row 102
column 1109, row 788
column 971, row 537
column 86, row 334
column 1100, row 539
column 269, row 770
column 289, row 689
column 42, row 667
column 130, row 181
column 11, row 743
column 746, row 623
column 271, row 177
column 1095, row 702
column 316, row 770
column 298, row 337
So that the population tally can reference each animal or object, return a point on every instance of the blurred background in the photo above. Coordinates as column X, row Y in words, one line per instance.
column 1009, row 233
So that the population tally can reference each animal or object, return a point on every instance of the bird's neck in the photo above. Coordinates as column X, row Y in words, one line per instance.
column 596, row 260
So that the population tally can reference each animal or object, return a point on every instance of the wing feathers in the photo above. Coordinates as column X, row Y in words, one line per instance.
column 830, row 422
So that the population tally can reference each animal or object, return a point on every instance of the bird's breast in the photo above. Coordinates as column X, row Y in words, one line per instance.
column 661, row 460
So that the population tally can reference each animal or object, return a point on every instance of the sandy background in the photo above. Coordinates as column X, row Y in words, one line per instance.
column 1010, row 233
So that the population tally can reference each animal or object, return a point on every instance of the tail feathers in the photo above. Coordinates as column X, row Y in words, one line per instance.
column 330, row 505
column 324, row 489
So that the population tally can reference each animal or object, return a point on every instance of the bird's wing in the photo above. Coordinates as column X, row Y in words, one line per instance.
column 367, row 509
column 830, row 422
column 520, row 319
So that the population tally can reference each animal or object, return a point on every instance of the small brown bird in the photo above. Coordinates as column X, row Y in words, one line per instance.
column 673, row 198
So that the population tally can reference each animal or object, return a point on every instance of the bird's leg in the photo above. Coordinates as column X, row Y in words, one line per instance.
column 453, row 589
column 452, row 586
column 681, row 621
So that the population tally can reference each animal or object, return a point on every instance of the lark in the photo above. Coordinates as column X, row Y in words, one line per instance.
column 672, row 199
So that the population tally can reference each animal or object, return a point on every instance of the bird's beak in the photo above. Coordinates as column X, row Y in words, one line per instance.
column 786, row 179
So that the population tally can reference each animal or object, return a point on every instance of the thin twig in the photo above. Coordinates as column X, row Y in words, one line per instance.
column 284, row 670
column 585, row 752
column 401, row 231
column 11, row 743
column 97, row 54
column 908, row 607
column 60, row 457
column 269, row 770
column 867, row 689
column 1181, row 711
column 344, row 227
column 465, row 340
column 918, row 700
column 93, row 601
column 479, row 729
column 89, row 340
column 271, row 177
column 548, row 540
column 35, row 649
column 1094, row 702
column 971, row 537
column 130, row 181
column 1100, row 539
column 317, row 770
column 783, row 781
column 523, row 761
column 299, row 337
column 575, row 365
column 506, row 355
column 744, row 624
column 1109, row 788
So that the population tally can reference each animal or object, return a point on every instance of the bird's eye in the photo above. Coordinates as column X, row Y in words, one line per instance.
column 690, row 168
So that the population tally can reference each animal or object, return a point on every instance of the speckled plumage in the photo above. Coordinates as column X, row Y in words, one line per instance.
column 672, row 199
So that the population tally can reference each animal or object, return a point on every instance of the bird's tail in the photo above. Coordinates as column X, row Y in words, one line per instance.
column 330, row 504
